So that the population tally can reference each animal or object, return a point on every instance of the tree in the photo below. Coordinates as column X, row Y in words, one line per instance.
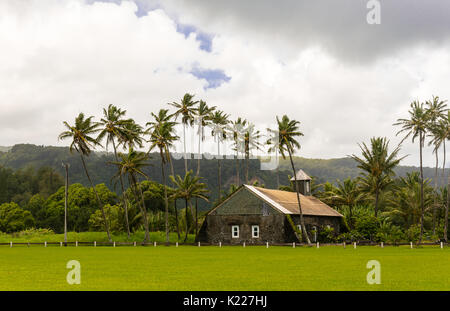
column 82, row 142
column 115, row 127
column 287, row 132
column 186, row 108
column 162, row 137
column 131, row 164
column 416, row 126
column 251, row 137
column 187, row 188
column 236, row 130
column 13, row 218
column 346, row 193
column 219, row 121
column 436, row 109
column 378, row 165
column 203, row 119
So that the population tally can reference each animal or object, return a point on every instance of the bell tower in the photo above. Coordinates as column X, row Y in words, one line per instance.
column 303, row 183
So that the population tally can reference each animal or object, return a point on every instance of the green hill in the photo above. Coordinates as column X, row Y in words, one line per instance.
column 25, row 155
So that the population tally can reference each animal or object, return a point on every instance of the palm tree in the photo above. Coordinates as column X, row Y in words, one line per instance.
column 203, row 118
column 132, row 164
column 132, row 136
column 236, row 130
column 114, row 127
column 416, row 126
column 251, row 137
column 288, row 131
column 186, row 108
column 162, row 137
column 219, row 121
column 346, row 193
column 436, row 109
column 82, row 142
column 378, row 166
column 187, row 188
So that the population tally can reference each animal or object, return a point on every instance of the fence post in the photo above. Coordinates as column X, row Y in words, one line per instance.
column 382, row 244
column 354, row 244
column 76, row 243
column 199, row 244
column 293, row 244
column 114, row 244
column 10, row 244
column 243, row 244
column 134, row 244
column 28, row 244
column 176, row 244
column 95, row 243
column 220, row 244
column 410, row 243
column 154, row 244
column 317, row 245
column 60, row 244
column 344, row 244
column 45, row 244
column 267, row 244
column 442, row 244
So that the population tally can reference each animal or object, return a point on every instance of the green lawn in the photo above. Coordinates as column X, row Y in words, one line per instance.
column 226, row 268
column 88, row 237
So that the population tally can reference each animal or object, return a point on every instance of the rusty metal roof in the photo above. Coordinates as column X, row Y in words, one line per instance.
column 286, row 202
column 301, row 175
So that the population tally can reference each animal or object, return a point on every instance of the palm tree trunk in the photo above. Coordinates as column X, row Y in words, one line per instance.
column 435, row 193
column 238, row 182
column 446, row 210
column 66, row 201
column 125, row 203
column 199, row 148
column 184, row 148
column 165, row 198
column 144, row 210
column 187, row 225
column 97, row 197
column 175, row 199
column 302, row 221
column 421, row 190
column 219, row 171
column 377, row 197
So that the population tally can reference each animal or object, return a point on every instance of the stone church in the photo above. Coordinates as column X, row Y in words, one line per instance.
column 257, row 215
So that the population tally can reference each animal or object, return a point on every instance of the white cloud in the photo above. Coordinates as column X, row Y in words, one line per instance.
column 63, row 57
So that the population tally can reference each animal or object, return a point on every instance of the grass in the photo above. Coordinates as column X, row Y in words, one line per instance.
column 228, row 268
column 39, row 237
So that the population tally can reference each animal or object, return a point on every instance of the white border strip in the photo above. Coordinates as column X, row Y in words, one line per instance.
column 266, row 198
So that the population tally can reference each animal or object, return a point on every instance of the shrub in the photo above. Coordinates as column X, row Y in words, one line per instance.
column 13, row 218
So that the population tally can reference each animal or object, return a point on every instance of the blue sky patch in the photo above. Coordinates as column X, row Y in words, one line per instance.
column 215, row 77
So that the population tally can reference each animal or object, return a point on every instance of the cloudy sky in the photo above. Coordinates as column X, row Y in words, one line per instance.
column 319, row 62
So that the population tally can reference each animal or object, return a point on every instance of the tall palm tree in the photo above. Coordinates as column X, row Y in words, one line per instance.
column 219, row 122
column 203, row 119
column 346, row 193
column 186, row 109
column 251, row 141
column 237, row 130
column 436, row 109
column 132, row 137
column 416, row 126
column 187, row 188
column 378, row 165
column 132, row 164
column 288, row 131
column 163, row 117
column 162, row 137
column 82, row 141
column 114, row 126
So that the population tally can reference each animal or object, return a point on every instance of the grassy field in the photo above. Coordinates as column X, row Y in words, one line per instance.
column 33, row 237
column 226, row 268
